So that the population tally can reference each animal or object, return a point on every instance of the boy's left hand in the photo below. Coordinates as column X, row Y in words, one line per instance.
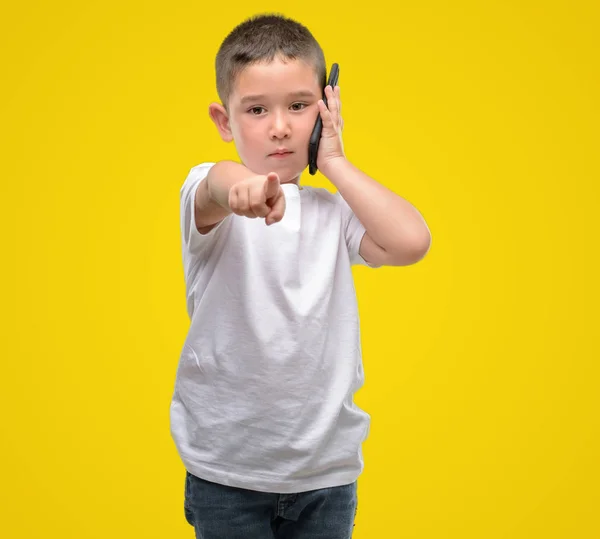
column 331, row 146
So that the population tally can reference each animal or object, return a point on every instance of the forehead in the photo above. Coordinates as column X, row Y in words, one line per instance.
column 276, row 78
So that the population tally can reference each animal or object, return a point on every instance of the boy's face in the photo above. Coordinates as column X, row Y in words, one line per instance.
column 272, row 108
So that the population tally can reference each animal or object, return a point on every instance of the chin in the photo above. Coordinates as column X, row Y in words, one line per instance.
column 289, row 176
column 287, row 171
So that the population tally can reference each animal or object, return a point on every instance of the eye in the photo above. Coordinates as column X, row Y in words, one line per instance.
column 298, row 106
column 256, row 110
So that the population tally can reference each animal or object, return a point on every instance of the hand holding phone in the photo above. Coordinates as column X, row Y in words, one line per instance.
column 313, row 145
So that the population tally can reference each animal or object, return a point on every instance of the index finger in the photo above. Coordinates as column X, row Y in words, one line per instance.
column 271, row 185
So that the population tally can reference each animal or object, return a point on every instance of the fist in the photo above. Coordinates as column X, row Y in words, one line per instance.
column 258, row 196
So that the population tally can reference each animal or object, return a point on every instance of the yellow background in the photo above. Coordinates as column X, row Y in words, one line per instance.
column 481, row 360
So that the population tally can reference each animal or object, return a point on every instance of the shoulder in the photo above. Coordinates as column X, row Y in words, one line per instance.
column 196, row 174
column 333, row 203
column 325, row 197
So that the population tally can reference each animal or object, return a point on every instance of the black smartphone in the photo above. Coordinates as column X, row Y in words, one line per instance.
column 313, row 145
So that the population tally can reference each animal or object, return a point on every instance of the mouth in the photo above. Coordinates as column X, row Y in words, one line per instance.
column 281, row 154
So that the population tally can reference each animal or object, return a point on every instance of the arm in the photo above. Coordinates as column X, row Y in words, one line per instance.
column 232, row 188
column 396, row 234
column 212, row 196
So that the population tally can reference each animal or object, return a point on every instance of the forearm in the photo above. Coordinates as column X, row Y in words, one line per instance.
column 212, row 196
column 390, row 220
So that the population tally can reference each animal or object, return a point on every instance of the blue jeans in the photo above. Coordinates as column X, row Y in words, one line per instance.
column 222, row 512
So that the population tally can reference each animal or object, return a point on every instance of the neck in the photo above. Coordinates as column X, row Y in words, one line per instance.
column 295, row 181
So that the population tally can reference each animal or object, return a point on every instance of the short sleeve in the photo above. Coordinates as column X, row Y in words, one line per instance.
column 353, row 232
column 192, row 241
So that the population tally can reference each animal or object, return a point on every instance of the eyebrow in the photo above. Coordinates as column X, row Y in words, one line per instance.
column 254, row 98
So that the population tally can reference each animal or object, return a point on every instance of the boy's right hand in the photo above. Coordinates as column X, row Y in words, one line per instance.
column 258, row 196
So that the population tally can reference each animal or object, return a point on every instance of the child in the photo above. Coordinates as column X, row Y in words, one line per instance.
column 262, row 412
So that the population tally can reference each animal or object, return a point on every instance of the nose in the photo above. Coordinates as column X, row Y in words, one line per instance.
column 280, row 125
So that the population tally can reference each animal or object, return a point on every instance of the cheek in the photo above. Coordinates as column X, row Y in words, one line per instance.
column 306, row 125
column 249, row 133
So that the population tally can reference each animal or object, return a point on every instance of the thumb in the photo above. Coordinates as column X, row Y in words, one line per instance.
column 271, row 185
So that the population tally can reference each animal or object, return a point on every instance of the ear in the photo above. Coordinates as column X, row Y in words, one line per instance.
column 219, row 116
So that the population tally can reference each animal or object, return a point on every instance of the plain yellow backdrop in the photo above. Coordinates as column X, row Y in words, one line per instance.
column 481, row 360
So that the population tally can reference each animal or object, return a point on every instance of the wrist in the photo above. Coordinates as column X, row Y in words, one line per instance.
column 333, row 166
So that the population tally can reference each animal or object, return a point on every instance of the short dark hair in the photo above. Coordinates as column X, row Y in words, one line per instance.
column 260, row 39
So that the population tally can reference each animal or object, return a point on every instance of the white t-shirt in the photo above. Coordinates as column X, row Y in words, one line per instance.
column 263, row 396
